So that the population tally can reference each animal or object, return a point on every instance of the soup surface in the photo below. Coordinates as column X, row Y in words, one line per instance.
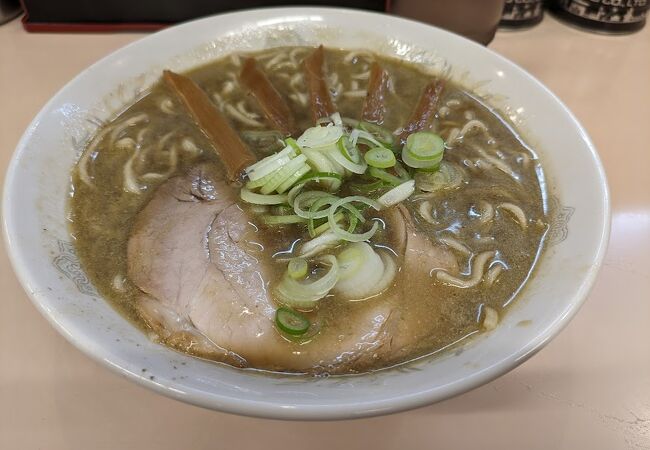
column 165, row 235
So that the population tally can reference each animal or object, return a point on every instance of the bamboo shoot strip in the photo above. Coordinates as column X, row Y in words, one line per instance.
column 233, row 152
column 319, row 95
column 424, row 111
column 273, row 105
column 373, row 106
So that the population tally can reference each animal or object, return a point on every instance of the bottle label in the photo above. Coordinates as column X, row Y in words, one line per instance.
column 607, row 11
column 521, row 10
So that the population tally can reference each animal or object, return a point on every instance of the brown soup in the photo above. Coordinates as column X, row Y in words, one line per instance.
column 169, row 241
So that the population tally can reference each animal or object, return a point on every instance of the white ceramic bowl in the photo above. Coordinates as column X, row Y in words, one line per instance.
column 38, row 180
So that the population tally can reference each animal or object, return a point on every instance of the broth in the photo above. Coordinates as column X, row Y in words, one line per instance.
column 155, row 140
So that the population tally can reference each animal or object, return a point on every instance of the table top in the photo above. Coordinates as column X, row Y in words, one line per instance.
column 589, row 388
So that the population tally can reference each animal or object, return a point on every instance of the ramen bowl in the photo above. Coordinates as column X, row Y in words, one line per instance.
column 43, row 255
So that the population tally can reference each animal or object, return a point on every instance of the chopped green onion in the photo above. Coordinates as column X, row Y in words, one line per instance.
column 346, row 235
column 351, row 259
column 314, row 208
column 380, row 157
column 282, row 220
column 353, row 221
column 425, row 145
column 423, row 150
column 321, row 243
column 307, row 199
column 382, row 175
column 297, row 268
column 345, row 158
column 260, row 181
column 277, row 172
column 381, row 133
column 354, row 237
column 284, row 173
column 338, row 168
column 293, row 179
column 270, row 164
column 293, row 144
column 397, row 194
column 331, row 180
column 318, row 177
column 336, row 119
column 305, row 294
column 358, row 136
column 448, row 176
column 401, row 172
column 291, row 322
column 354, row 211
column 367, row 187
column 326, row 226
column 316, row 137
column 433, row 168
column 363, row 272
column 349, row 150
column 358, row 262
column 312, row 227
column 319, row 162
column 260, row 199
column 293, row 193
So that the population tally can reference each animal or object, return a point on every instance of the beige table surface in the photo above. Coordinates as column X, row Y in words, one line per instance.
column 589, row 389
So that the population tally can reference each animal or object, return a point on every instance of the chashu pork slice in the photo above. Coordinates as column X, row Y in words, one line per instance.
column 204, row 289
column 421, row 312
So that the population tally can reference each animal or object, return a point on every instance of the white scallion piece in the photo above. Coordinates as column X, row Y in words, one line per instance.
column 397, row 194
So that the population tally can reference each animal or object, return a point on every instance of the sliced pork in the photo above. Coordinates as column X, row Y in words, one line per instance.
column 201, row 280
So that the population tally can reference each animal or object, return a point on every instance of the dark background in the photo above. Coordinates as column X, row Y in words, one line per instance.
column 159, row 11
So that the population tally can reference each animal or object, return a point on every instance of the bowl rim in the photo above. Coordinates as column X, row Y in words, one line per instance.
column 305, row 412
